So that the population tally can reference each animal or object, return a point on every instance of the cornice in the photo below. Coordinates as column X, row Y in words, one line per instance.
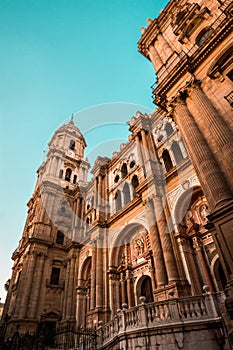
column 189, row 63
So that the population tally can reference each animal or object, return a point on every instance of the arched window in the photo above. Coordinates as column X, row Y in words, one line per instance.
column 124, row 171
column 60, row 174
column 132, row 163
column 168, row 129
column 75, row 179
column 135, row 182
column 60, row 237
column 167, row 160
column 126, row 193
column 72, row 144
column 88, row 222
column 68, row 174
column 62, row 210
column 118, row 200
column 177, row 152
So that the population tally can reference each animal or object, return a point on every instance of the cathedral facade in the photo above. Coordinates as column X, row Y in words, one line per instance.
column 130, row 250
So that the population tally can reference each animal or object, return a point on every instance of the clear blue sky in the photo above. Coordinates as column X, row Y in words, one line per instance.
column 60, row 57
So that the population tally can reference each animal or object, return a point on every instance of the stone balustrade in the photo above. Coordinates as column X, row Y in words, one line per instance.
column 169, row 313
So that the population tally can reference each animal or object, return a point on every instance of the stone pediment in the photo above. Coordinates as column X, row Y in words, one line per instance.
column 186, row 19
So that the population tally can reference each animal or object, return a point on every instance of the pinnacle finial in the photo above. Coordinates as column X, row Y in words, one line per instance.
column 72, row 118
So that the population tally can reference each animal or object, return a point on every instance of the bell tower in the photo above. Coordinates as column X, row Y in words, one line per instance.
column 50, row 242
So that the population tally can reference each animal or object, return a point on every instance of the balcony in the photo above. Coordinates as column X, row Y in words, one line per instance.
column 182, row 316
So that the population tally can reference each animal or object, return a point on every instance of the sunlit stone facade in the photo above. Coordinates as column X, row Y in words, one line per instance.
column 130, row 250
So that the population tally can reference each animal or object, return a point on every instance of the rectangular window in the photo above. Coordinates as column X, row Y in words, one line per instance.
column 55, row 276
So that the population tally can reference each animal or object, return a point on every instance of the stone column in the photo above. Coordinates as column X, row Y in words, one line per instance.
column 140, row 155
column 215, row 188
column 81, row 306
column 20, row 286
column 93, row 277
column 160, row 270
column 145, row 146
column 64, row 302
column 129, row 284
column 35, row 295
column 114, row 292
column 155, row 58
column 181, row 242
column 99, row 274
column 202, row 263
column 213, row 127
column 123, row 289
column 26, row 289
column 71, row 288
column 168, row 252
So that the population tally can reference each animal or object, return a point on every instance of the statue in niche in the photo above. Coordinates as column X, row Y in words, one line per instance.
column 139, row 246
column 204, row 212
column 189, row 218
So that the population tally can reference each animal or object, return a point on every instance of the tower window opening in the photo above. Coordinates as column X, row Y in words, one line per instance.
column 124, row 171
column 160, row 138
column 167, row 160
column 60, row 174
column 177, row 152
column 60, row 237
column 126, row 193
column 55, row 276
column 135, row 182
column 132, row 163
column 72, row 144
column 168, row 129
column 118, row 200
column 68, row 174
column 75, row 179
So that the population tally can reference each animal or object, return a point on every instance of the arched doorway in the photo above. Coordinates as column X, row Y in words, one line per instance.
column 130, row 251
column 220, row 275
column 144, row 288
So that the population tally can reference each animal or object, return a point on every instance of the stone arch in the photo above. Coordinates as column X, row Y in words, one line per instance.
column 85, row 271
column 124, row 236
column 183, row 203
column 221, row 63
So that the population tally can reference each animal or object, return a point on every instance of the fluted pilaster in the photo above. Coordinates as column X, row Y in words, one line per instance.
column 208, row 171
column 212, row 126
column 155, row 58
column 93, row 276
column 160, row 270
column 34, row 302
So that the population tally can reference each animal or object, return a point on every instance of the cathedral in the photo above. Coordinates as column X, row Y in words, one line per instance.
column 143, row 251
